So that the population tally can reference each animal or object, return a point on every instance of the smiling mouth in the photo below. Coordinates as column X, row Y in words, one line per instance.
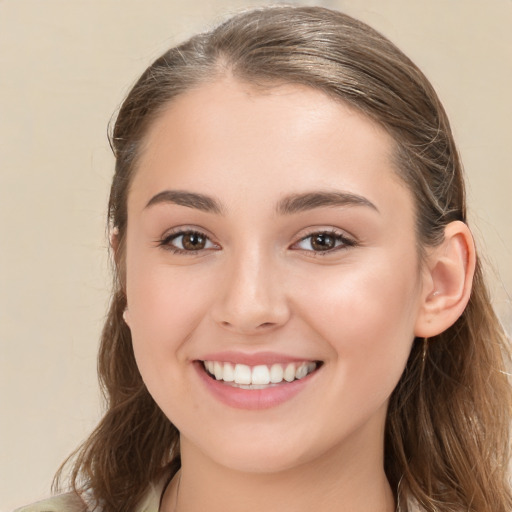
column 260, row 376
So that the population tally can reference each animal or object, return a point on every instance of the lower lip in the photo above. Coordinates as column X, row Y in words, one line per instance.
column 252, row 398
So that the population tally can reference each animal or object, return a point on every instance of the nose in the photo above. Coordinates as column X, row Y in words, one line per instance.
column 252, row 299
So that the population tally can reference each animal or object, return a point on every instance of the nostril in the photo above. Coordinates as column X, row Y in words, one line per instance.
column 264, row 325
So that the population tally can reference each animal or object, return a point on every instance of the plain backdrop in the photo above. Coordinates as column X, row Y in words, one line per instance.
column 65, row 66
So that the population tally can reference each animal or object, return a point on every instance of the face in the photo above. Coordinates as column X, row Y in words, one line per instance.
column 272, row 275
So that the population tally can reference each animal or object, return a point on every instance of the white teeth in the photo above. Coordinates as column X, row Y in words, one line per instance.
column 242, row 374
column 276, row 373
column 301, row 371
column 289, row 373
column 229, row 373
column 218, row 370
column 259, row 376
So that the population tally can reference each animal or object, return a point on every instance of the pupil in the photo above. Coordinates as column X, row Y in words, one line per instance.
column 322, row 242
column 193, row 241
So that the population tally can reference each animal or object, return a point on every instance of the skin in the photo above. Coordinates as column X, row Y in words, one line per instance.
column 258, row 285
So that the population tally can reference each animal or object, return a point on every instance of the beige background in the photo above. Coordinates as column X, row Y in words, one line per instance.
column 64, row 67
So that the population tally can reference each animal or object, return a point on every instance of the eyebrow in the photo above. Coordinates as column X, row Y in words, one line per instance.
column 289, row 205
column 296, row 203
column 190, row 199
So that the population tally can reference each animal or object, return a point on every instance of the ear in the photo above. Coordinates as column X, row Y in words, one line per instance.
column 126, row 316
column 117, row 250
column 117, row 246
column 114, row 245
column 447, row 281
column 114, row 241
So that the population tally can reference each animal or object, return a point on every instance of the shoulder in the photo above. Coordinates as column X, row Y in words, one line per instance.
column 69, row 502
column 72, row 502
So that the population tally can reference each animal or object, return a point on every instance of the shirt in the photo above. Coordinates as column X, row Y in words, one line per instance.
column 71, row 502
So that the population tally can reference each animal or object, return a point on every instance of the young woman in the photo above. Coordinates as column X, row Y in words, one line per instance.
column 299, row 318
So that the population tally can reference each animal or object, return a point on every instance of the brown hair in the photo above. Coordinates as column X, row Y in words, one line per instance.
column 447, row 443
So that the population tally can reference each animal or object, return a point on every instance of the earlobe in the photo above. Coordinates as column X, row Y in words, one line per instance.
column 449, row 277
column 126, row 317
column 114, row 240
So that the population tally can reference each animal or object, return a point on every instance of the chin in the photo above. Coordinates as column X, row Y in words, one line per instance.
column 260, row 451
column 257, row 461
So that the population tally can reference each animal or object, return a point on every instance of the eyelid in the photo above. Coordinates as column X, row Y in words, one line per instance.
column 347, row 241
column 165, row 240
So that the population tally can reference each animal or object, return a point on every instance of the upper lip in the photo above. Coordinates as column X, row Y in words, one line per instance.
column 254, row 359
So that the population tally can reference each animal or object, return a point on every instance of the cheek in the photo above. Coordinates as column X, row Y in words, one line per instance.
column 367, row 315
column 166, row 304
column 166, row 307
column 371, row 297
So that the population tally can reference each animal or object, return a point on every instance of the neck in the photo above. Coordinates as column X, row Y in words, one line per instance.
column 356, row 484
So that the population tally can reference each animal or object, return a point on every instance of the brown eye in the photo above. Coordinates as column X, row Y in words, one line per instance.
column 193, row 241
column 323, row 242
column 326, row 242
column 187, row 242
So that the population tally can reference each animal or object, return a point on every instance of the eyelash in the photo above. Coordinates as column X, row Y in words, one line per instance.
column 344, row 242
column 166, row 241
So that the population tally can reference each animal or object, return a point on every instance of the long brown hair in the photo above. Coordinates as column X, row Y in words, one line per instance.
column 447, row 444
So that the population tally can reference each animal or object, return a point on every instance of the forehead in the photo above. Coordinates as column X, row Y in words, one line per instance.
column 237, row 140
